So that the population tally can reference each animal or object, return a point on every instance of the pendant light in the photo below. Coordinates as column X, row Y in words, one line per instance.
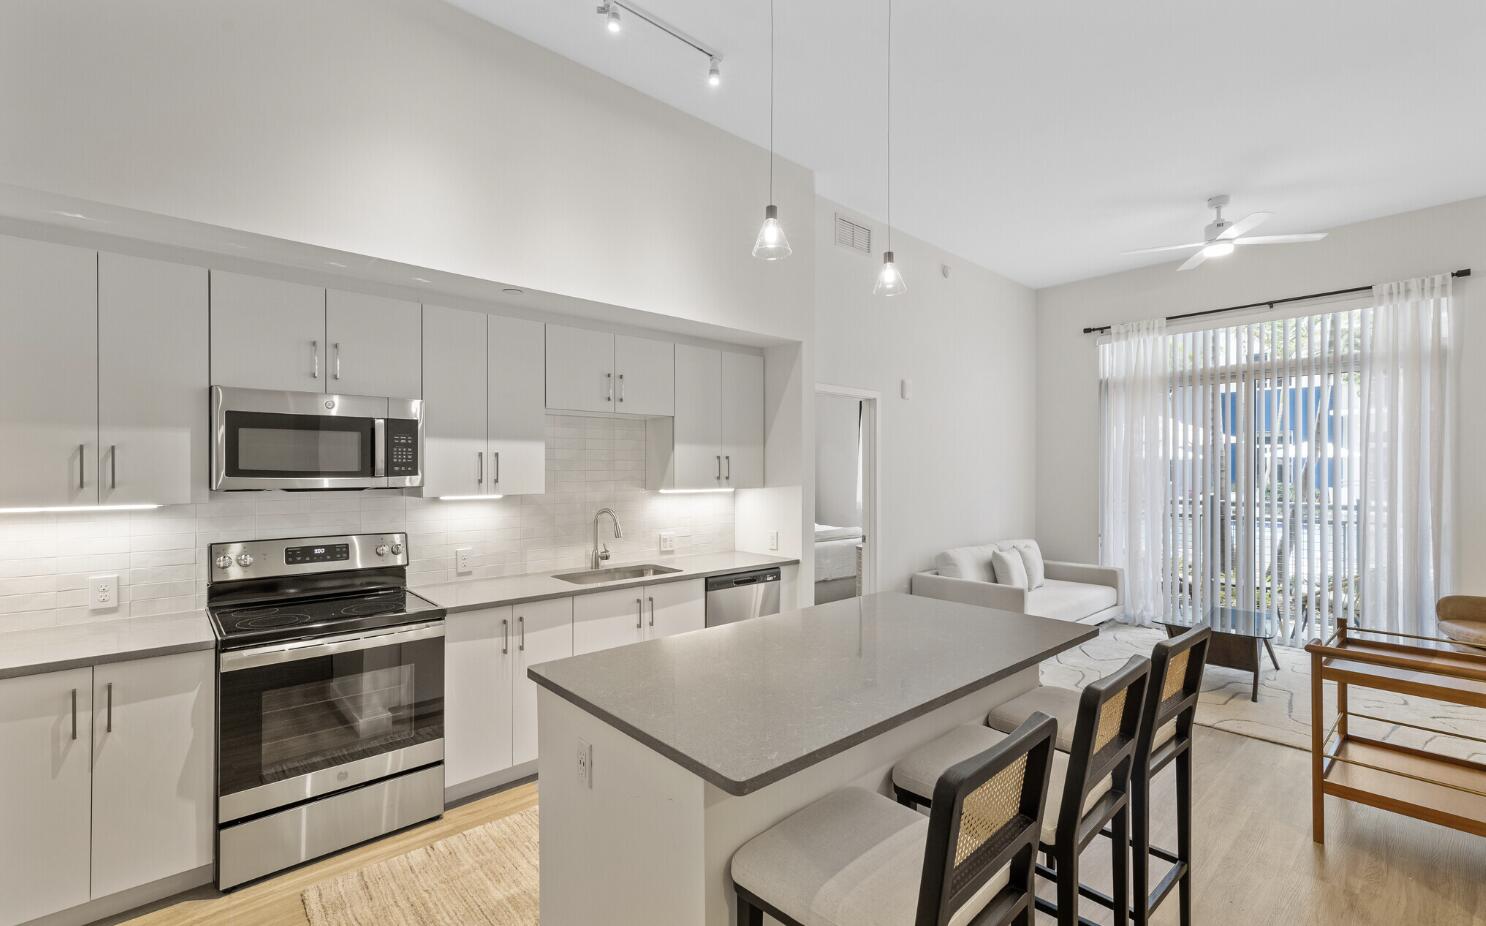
column 889, row 280
column 771, row 243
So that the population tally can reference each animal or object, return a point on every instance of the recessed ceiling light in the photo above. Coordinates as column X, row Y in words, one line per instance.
column 335, row 263
column 70, row 215
column 511, row 290
column 421, row 280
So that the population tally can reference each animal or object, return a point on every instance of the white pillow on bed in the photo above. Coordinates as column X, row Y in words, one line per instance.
column 1010, row 570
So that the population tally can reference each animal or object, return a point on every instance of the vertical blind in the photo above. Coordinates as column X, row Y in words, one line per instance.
column 1261, row 437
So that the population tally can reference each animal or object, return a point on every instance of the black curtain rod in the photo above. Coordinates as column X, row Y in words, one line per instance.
column 1271, row 303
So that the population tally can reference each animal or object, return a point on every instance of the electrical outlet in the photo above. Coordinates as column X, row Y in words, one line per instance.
column 773, row 540
column 668, row 541
column 585, row 764
column 103, row 593
column 462, row 560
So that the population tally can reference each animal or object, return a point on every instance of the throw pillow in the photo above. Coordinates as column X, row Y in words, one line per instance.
column 1009, row 568
column 1032, row 560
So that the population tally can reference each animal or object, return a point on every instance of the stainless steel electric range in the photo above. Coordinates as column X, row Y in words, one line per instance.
column 330, row 699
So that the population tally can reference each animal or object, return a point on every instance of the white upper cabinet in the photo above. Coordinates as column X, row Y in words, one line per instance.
column 716, row 439
column 374, row 345
column 644, row 376
column 48, row 374
column 455, row 395
column 544, row 632
column 153, row 727
column 516, row 407
column 580, row 369
column 742, row 420
column 697, row 453
column 267, row 334
column 152, row 380
column 45, row 757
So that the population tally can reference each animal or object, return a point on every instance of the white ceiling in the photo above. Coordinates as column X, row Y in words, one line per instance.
column 1041, row 138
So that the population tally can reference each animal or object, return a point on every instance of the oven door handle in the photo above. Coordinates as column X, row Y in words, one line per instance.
column 237, row 660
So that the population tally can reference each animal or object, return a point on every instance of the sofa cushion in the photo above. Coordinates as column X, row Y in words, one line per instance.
column 1009, row 569
column 1070, row 601
column 1032, row 560
column 974, row 562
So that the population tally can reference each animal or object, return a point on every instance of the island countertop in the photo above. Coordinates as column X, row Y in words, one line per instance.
column 747, row 704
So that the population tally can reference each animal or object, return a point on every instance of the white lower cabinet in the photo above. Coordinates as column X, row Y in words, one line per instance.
column 544, row 632
column 631, row 615
column 153, row 779
column 477, row 694
column 45, row 752
column 108, row 780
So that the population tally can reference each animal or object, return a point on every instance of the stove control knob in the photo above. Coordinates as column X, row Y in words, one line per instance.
column 224, row 561
column 397, row 549
column 245, row 560
column 381, row 549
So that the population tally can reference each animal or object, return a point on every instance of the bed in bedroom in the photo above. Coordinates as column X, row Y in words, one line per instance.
column 837, row 562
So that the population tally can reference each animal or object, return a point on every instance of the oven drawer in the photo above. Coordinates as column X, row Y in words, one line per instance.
column 250, row 850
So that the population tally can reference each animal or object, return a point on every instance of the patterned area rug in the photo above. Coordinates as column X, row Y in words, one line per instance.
column 486, row 875
column 1283, row 712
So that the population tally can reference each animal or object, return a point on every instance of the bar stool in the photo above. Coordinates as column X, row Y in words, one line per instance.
column 856, row 858
column 1089, row 790
column 1164, row 736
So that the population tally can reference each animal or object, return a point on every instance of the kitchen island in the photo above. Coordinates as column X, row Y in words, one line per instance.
column 658, row 760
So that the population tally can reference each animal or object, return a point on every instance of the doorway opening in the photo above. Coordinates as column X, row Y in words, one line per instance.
column 846, row 492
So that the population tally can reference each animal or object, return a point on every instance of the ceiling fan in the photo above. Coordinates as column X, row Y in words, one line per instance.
column 1220, row 237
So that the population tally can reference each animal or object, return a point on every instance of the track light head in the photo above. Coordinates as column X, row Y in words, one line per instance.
column 714, row 74
column 610, row 12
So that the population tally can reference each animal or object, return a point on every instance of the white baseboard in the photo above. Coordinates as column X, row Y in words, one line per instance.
column 465, row 789
column 124, row 901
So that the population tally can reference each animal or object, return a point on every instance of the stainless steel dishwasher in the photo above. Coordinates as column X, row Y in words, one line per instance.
column 741, row 595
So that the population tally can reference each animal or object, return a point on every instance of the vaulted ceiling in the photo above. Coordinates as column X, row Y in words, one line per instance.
column 1042, row 138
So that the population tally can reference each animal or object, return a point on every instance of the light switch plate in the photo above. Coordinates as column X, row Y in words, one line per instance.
column 462, row 560
column 668, row 541
column 103, row 593
column 773, row 540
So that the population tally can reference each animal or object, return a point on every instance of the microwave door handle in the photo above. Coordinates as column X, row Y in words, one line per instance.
column 379, row 446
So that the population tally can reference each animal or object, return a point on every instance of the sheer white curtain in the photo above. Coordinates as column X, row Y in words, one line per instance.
column 1133, row 509
column 1409, row 403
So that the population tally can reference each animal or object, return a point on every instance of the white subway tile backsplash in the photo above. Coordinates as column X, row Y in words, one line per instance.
column 160, row 555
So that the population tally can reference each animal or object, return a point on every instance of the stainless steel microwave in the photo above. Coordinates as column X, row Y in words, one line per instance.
column 266, row 439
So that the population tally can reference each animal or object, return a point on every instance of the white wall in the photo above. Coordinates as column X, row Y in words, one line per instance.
column 401, row 129
column 1413, row 244
column 957, row 458
column 837, row 454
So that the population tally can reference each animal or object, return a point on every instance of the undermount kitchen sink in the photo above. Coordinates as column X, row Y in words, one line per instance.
column 616, row 574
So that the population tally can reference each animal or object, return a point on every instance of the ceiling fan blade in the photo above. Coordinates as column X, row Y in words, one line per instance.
column 1170, row 247
column 1281, row 239
column 1245, row 224
column 1194, row 261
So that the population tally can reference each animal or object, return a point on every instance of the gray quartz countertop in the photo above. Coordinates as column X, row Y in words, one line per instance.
column 747, row 704
column 68, row 646
column 469, row 594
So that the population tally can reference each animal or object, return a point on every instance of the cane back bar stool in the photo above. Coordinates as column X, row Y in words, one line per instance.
column 856, row 858
column 1089, row 788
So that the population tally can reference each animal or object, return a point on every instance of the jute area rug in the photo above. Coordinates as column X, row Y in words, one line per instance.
column 1283, row 712
column 486, row 875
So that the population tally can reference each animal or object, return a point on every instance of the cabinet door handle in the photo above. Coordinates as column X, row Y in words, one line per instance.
column 315, row 359
column 74, row 713
column 480, row 467
column 109, row 725
column 639, row 614
column 337, row 372
column 730, row 468
column 621, row 387
column 652, row 612
column 521, row 626
column 496, row 480
column 505, row 626
column 719, row 469
column 82, row 469
column 609, row 378
column 113, row 466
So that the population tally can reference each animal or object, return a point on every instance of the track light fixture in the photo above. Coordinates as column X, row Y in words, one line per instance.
column 609, row 10
column 771, row 243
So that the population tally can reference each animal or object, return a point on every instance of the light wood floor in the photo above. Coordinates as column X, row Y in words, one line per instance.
column 1256, row 863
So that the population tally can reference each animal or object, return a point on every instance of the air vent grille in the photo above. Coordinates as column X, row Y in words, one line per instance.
column 853, row 235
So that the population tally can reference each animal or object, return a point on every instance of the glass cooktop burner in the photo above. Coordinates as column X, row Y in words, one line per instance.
column 267, row 618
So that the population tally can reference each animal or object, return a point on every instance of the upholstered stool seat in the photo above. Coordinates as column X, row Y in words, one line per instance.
column 852, row 858
column 1061, row 704
column 1462, row 618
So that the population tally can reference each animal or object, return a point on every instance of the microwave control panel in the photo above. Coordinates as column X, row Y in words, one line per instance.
column 402, row 447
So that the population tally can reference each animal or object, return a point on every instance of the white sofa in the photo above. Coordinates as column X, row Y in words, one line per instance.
column 1078, row 592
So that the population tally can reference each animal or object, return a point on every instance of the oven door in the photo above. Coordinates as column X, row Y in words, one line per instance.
column 264, row 439
column 300, row 720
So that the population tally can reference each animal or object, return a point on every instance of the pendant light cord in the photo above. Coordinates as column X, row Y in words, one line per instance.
column 771, row 101
column 889, row 124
